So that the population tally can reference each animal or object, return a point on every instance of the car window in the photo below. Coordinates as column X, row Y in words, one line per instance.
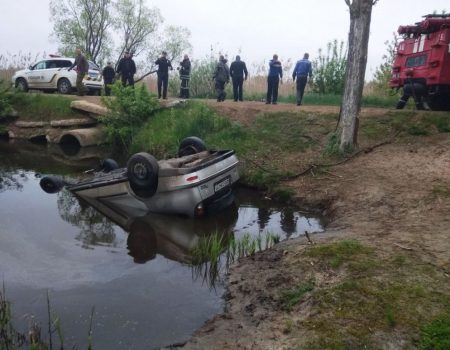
column 64, row 64
column 52, row 64
column 40, row 65
column 92, row 65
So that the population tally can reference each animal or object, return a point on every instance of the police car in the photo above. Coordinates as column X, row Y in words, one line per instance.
column 52, row 74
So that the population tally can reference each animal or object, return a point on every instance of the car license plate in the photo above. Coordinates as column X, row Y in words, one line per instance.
column 222, row 184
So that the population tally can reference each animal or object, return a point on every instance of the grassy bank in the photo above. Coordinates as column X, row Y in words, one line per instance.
column 42, row 107
column 373, row 293
column 271, row 147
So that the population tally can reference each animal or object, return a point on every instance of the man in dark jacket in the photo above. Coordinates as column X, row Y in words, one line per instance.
column 82, row 69
column 221, row 77
column 273, row 79
column 185, row 73
column 238, row 73
column 108, row 78
column 163, row 74
column 127, row 69
column 302, row 71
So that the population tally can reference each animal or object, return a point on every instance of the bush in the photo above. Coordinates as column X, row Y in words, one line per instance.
column 127, row 112
column 163, row 134
column 329, row 70
column 5, row 99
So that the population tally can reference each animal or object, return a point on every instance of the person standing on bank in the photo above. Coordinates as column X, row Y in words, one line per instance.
column 127, row 69
column 163, row 74
column 108, row 78
column 238, row 73
column 273, row 79
column 82, row 69
column 302, row 71
column 185, row 73
column 221, row 77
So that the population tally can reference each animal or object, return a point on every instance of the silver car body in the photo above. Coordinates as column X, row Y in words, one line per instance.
column 189, row 185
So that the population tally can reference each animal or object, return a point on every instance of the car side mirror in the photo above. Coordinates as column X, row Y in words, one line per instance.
column 30, row 67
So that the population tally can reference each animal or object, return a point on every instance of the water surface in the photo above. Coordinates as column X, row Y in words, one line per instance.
column 143, row 288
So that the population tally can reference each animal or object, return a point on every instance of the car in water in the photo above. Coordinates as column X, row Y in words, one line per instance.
column 52, row 74
column 198, row 181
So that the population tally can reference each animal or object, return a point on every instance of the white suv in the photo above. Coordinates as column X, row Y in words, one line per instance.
column 53, row 74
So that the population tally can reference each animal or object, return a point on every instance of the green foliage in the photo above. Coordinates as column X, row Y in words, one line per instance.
column 201, row 84
column 162, row 135
column 384, row 70
column 436, row 334
column 332, row 147
column 329, row 69
column 5, row 99
column 127, row 112
column 338, row 253
column 80, row 28
column 43, row 107
column 292, row 297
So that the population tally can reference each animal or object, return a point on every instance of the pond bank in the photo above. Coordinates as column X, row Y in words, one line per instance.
column 378, row 290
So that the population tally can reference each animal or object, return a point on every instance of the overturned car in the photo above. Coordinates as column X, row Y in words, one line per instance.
column 196, row 182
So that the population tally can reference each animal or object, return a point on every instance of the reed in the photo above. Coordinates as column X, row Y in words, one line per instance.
column 217, row 251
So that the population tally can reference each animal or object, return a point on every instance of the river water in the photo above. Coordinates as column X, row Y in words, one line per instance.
column 142, row 289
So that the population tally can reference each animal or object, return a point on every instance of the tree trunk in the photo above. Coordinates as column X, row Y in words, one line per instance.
column 358, row 41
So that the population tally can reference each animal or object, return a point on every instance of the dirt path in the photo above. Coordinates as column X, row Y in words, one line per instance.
column 386, row 198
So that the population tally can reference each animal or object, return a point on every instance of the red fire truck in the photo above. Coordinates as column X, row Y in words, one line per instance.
column 422, row 63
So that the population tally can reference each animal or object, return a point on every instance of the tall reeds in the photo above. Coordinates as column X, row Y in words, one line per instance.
column 216, row 252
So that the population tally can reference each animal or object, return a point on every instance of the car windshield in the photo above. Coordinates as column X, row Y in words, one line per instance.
column 93, row 66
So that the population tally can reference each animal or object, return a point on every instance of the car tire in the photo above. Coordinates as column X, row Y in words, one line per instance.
column 21, row 85
column 107, row 165
column 51, row 184
column 142, row 171
column 191, row 145
column 64, row 86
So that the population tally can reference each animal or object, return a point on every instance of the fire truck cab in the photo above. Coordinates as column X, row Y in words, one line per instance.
column 422, row 63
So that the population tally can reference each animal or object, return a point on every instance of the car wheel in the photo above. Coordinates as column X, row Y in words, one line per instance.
column 107, row 165
column 51, row 184
column 21, row 85
column 142, row 171
column 64, row 86
column 191, row 145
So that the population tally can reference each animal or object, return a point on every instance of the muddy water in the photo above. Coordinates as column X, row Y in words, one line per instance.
column 143, row 288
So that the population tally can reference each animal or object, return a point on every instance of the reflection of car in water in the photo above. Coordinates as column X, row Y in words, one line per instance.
column 171, row 236
column 196, row 182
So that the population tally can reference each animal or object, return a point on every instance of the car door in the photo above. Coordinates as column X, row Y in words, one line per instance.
column 35, row 77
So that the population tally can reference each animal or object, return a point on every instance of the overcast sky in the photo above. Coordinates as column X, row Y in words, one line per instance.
column 255, row 29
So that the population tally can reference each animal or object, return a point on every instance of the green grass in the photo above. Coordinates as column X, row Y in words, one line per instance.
column 441, row 190
column 373, row 294
column 290, row 298
column 42, row 107
column 263, row 143
column 436, row 334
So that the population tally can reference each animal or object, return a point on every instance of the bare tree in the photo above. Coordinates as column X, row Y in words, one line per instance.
column 358, row 41
column 83, row 24
column 136, row 23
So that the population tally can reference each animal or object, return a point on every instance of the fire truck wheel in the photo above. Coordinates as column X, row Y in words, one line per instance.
column 142, row 171
column 191, row 145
